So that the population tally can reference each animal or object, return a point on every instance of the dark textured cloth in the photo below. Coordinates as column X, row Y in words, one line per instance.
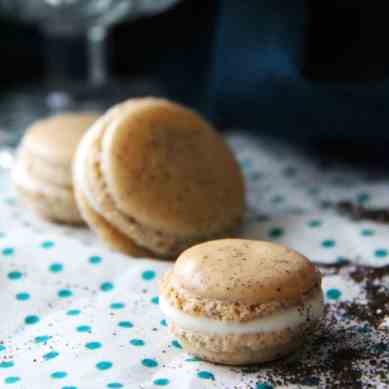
column 302, row 69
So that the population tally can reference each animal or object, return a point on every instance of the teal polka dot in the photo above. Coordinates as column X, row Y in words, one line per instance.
column 11, row 379
column 333, row 294
column 56, row 267
column 137, row 342
column 161, row 382
column 47, row 244
column 367, row 232
column 314, row 223
column 31, row 319
column 42, row 339
column 264, row 385
column 104, row 365
column 64, row 293
column 84, row 328
column 363, row 198
column 7, row 251
column 106, row 286
column 381, row 253
column 176, row 344
column 114, row 385
column 22, row 296
column 73, row 312
column 193, row 359
column 149, row 362
column 125, row 324
column 206, row 375
column 50, row 355
column 342, row 260
column 69, row 387
column 95, row 259
column 10, row 200
column 328, row 243
column 2, row 347
column 163, row 323
column 15, row 275
column 148, row 275
column 58, row 374
column 93, row 345
column 155, row 300
column 276, row 232
column 6, row 364
column 117, row 305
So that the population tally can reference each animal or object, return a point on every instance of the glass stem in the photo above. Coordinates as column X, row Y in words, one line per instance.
column 97, row 55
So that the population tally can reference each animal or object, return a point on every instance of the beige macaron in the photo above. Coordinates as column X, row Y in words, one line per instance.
column 43, row 170
column 152, row 177
column 237, row 302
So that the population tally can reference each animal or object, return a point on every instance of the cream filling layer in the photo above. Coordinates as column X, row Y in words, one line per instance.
column 311, row 311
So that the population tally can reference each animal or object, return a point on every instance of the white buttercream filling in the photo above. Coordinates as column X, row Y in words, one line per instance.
column 311, row 310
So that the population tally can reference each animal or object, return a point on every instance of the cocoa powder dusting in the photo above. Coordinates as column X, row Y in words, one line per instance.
column 360, row 212
column 376, row 308
column 349, row 351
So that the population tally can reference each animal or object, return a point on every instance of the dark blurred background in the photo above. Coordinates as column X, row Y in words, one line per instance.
column 306, row 70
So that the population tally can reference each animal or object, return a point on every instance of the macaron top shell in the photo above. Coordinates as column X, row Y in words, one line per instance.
column 55, row 139
column 244, row 271
column 168, row 168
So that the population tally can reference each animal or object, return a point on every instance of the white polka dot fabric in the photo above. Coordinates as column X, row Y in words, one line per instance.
column 75, row 315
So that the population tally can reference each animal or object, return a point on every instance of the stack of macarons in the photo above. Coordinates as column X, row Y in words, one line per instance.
column 153, row 178
column 43, row 169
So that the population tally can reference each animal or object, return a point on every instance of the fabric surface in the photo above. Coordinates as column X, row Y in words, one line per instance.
column 75, row 315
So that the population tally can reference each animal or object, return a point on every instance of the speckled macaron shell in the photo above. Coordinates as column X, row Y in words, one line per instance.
column 43, row 169
column 168, row 168
column 55, row 139
column 126, row 164
column 244, row 271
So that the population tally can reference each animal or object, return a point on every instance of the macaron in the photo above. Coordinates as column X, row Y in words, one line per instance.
column 238, row 302
column 152, row 178
column 43, row 169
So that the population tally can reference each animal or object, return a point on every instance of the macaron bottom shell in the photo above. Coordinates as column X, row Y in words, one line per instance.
column 242, row 349
column 107, row 233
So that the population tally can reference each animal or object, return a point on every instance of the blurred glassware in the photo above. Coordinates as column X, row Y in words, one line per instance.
column 65, row 23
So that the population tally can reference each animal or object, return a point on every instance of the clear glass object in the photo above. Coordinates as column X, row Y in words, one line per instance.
column 65, row 22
